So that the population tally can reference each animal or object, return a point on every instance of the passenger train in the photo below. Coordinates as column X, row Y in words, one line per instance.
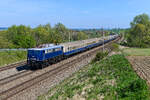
column 42, row 57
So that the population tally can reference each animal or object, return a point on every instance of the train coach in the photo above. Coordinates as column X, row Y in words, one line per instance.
column 42, row 57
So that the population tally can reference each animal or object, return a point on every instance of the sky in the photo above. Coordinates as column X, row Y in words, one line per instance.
column 72, row 13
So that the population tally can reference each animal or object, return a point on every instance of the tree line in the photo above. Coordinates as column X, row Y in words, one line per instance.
column 139, row 33
column 26, row 37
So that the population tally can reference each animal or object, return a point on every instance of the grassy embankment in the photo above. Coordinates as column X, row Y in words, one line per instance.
column 110, row 79
column 137, row 51
column 8, row 57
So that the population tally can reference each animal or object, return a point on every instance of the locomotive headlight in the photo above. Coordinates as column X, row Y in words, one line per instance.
column 33, row 58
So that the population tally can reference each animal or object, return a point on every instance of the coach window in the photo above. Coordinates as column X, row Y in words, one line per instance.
column 56, row 49
column 50, row 50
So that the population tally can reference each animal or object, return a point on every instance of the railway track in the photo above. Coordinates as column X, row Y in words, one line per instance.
column 12, row 66
column 18, row 88
column 14, row 77
column 27, row 84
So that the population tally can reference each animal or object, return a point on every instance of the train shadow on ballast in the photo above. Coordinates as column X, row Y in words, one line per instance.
column 24, row 67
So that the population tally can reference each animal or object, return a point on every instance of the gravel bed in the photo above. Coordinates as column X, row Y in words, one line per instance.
column 12, row 69
column 15, row 76
column 9, row 72
column 43, row 87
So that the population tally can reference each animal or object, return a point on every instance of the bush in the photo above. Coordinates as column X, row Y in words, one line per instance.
column 24, row 41
column 137, row 89
column 115, row 47
column 99, row 56
column 123, row 43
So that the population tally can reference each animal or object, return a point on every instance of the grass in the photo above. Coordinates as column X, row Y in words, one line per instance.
column 137, row 51
column 8, row 57
column 110, row 79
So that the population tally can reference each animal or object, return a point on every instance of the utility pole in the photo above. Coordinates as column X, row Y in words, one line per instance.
column 103, row 38
column 69, row 40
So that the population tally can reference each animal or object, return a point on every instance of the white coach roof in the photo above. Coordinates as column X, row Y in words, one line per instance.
column 52, row 47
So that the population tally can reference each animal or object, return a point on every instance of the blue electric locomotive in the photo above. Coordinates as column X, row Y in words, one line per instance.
column 41, row 57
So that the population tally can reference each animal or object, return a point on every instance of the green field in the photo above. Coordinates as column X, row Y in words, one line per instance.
column 110, row 79
column 137, row 51
column 8, row 57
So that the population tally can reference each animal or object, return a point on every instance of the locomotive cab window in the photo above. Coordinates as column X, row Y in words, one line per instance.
column 48, row 51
